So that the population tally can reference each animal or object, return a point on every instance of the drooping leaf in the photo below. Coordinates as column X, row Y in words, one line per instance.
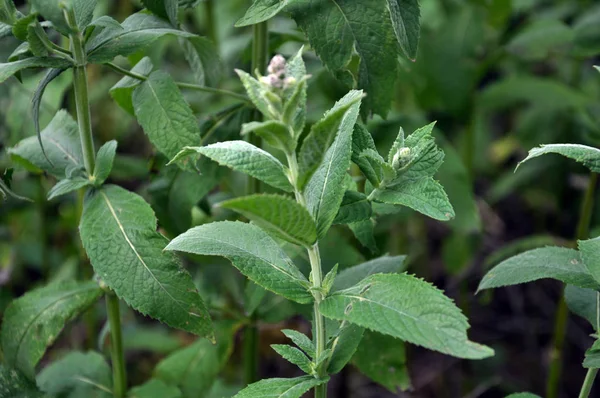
column 260, row 11
column 344, row 346
column 382, row 358
column 118, row 231
column 68, row 185
column 407, row 308
column 590, row 254
column 5, row 192
column 405, row 16
column 355, row 207
column 245, row 158
column 32, row 322
column 155, row 389
column 166, row 117
column 279, row 215
column 592, row 356
column 8, row 12
column 104, row 161
column 204, row 60
column 588, row 156
column 560, row 263
column 252, row 251
column 122, row 92
column 322, row 192
column 166, row 9
column 275, row 133
column 540, row 39
column 381, row 265
column 583, row 302
column 10, row 68
column 280, row 388
column 77, row 374
column 302, row 341
column 14, row 384
column 294, row 356
column 364, row 231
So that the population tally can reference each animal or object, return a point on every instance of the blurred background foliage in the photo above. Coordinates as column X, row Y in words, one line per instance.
column 499, row 76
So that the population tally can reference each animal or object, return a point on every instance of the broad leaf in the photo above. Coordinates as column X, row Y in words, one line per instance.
column 260, row 11
column 155, row 389
column 559, row 263
column 77, row 374
column 294, row 356
column 322, row 192
column 407, row 308
column 588, row 156
column 52, row 10
column 104, row 161
column 279, row 215
column 405, row 21
column 166, row 117
column 355, row 207
column 204, row 60
column 280, row 388
column 32, row 322
column 381, row 265
column 9, row 69
column 583, row 302
column 122, row 92
column 245, row 158
column 118, row 231
column 13, row 384
column 338, row 28
column 252, row 251
column 68, row 185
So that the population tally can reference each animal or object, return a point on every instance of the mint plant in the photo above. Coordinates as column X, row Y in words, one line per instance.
column 315, row 172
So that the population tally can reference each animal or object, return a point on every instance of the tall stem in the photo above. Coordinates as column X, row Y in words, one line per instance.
column 586, row 388
column 319, row 327
column 211, row 27
column 116, row 346
column 562, row 311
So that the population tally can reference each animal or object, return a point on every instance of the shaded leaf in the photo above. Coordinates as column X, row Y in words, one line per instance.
column 381, row 265
column 405, row 16
column 155, row 389
column 10, row 68
column 280, row 388
column 355, row 207
column 583, row 302
column 104, row 161
column 588, row 156
column 260, row 11
column 122, row 92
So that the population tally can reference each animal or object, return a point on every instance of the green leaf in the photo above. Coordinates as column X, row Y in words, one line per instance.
column 588, row 156
column 322, row 192
column 329, row 279
column 364, row 231
column 137, row 32
column 8, row 12
column 61, row 142
column 583, row 302
column 13, row 384
column 104, row 161
column 274, row 133
column 523, row 395
column 52, row 11
column 258, row 95
column 252, row 251
column 118, row 231
column 382, row 358
column 592, row 356
column 324, row 132
column 166, row 9
column 166, row 117
column 245, row 158
column 10, row 68
column 344, row 346
column 294, row 109
column 590, row 254
column 155, row 388
column 194, row 368
column 336, row 29
column 279, row 215
column 294, row 356
column 36, row 36
column 260, row 11
column 302, row 341
column 355, row 207
column 122, row 92
column 366, row 157
column 560, row 263
column 77, row 374
column 68, row 185
column 381, row 265
column 32, row 322
column 540, row 39
column 5, row 30
column 407, row 308
column 5, row 192
column 281, row 388
column 20, row 30
column 204, row 60
column 405, row 16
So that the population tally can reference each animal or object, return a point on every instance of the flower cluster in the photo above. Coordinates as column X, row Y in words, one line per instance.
column 276, row 78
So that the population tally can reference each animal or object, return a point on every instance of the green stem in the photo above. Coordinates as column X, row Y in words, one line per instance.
column 116, row 343
column 586, row 388
column 211, row 28
column 189, row 86
column 562, row 311
column 251, row 346
column 320, row 336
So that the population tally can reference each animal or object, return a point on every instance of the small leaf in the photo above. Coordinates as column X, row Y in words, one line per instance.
column 381, row 265
column 560, row 263
column 9, row 69
column 281, row 388
column 355, row 207
column 252, row 251
column 592, row 356
column 329, row 280
column 104, row 161
column 590, row 255
column 32, row 322
column 260, row 11
column 301, row 340
column 246, row 158
column 122, row 92
column 277, row 214
column 5, row 191
column 365, row 155
column 405, row 16
column 155, row 388
column 588, row 156
column 77, row 374
column 294, row 356
column 344, row 346
column 294, row 109
column 275, row 133
column 67, row 185
column 583, row 302
column 257, row 94
column 407, row 308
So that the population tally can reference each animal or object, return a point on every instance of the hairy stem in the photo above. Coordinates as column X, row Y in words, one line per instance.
column 116, row 346
column 562, row 311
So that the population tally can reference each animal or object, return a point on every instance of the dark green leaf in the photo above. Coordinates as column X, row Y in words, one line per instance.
column 13, row 384
column 301, row 340
column 344, row 346
column 364, row 231
column 381, row 265
column 104, row 161
column 355, row 207
column 294, row 356
column 592, row 356
column 260, row 11
column 203, row 57
column 9, row 69
column 280, row 388
column 155, row 389
column 166, row 9
column 405, row 21
column 583, row 302
column 122, row 92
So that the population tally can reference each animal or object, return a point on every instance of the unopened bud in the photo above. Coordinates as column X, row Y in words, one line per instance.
column 289, row 82
column 277, row 65
column 401, row 157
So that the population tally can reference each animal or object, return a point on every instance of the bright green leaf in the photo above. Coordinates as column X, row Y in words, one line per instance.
column 381, row 265
column 588, row 156
column 294, row 356
column 104, row 161
column 67, row 185
column 405, row 16
column 280, row 388
column 9, row 69
column 122, row 92
column 260, row 11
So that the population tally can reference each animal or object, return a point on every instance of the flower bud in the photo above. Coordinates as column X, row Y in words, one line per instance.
column 277, row 65
column 401, row 157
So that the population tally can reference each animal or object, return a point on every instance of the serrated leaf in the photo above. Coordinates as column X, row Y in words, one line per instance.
column 301, row 340
column 405, row 16
column 322, row 192
column 364, row 231
column 77, row 374
column 338, row 28
column 122, row 92
column 590, row 254
column 20, row 29
column 155, row 388
column 137, row 32
column 583, row 302
column 61, row 142
column 166, row 9
column 294, row 109
column 35, row 40
column 67, row 185
column 32, row 322
column 383, row 359
column 329, row 279
column 279, row 215
column 344, row 346
column 257, row 94
column 10, row 68
column 260, row 11
column 407, row 308
column 588, row 156
column 274, row 133
column 560, row 263
column 365, row 155
column 204, row 60
column 13, row 384
column 381, row 265
column 324, row 132
column 245, row 158
column 118, row 231
column 166, row 117
column 355, row 207
column 294, row 356
column 592, row 356
column 280, row 388
column 104, row 161
column 252, row 251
